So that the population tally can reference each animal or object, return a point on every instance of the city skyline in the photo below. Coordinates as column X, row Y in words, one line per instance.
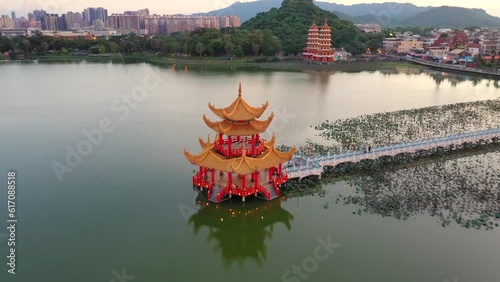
column 22, row 8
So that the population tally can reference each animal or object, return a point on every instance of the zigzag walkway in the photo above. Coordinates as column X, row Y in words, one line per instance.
column 302, row 166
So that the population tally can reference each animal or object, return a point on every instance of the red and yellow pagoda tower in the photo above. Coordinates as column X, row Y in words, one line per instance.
column 312, row 43
column 239, row 162
column 319, row 48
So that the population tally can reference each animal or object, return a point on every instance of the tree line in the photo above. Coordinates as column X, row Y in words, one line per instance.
column 201, row 42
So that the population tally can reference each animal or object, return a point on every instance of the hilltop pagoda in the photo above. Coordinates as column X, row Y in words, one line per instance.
column 239, row 162
column 319, row 48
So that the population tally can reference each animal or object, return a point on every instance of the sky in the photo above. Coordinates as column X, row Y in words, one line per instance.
column 22, row 7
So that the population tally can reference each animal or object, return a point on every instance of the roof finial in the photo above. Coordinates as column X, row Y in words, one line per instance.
column 326, row 21
column 314, row 21
column 239, row 91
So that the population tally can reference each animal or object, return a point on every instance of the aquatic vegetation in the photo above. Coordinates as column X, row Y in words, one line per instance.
column 410, row 125
column 465, row 191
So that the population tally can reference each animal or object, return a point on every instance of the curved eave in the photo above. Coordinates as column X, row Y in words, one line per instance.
column 239, row 110
column 242, row 111
column 239, row 129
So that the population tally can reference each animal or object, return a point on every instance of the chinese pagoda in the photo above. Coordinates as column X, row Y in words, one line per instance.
column 319, row 48
column 239, row 162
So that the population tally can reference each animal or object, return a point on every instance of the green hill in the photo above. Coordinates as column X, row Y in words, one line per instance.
column 291, row 22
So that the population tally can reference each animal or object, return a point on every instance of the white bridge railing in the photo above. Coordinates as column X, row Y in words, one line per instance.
column 302, row 166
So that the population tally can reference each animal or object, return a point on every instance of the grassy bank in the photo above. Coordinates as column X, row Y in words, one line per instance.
column 217, row 63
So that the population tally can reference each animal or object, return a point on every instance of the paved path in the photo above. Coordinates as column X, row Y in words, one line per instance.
column 302, row 166
column 460, row 68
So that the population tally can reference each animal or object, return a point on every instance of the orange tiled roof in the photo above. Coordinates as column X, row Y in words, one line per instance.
column 243, row 165
column 239, row 110
column 239, row 129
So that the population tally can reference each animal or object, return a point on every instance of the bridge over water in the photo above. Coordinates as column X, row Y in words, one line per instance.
column 302, row 166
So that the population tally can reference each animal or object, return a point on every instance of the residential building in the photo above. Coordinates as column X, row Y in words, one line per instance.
column 474, row 48
column 391, row 44
column 488, row 46
column 458, row 54
column 408, row 45
column 6, row 22
column 39, row 15
column 50, row 22
column 152, row 24
column 73, row 20
column 370, row 28
column 13, row 16
column 12, row 32
column 229, row 21
column 124, row 22
column 438, row 51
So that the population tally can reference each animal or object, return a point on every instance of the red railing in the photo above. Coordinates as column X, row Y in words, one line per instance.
column 276, row 189
column 220, row 146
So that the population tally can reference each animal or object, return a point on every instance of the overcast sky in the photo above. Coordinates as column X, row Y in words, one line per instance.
column 22, row 7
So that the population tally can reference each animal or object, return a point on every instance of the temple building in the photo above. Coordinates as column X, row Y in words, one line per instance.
column 239, row 162
column 319, row 48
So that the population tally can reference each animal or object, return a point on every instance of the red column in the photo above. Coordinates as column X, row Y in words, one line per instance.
column 229, row 142
column 244, row 182
column 230, row 180
column 200, row 174
column 253, row 145
column 280, row 170
column 256, row 179
column 213, row 175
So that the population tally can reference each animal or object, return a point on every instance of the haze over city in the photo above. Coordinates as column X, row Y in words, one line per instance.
column 194, row 6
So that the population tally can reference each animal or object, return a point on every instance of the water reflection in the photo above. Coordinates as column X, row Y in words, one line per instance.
column 465, row 191
column 238, row 231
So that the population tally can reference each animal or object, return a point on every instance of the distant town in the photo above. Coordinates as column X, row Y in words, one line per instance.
column 445, row 45
column 97, row 22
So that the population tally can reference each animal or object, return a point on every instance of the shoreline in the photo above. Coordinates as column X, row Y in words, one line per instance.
column 220, row 64
column 245, row 63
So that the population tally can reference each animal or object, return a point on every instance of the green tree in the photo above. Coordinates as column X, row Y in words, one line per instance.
column 44, row 46
column 113, row 47
column 26, row 45
column 102, row 49
column 229, row 48
column 200, row 48
column 64, row 51
column 255, row 49
column 5, row 44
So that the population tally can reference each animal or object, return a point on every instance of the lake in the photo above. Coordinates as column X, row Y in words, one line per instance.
column 126, row 210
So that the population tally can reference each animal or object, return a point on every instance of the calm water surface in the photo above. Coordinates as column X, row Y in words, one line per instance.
column 129, row 207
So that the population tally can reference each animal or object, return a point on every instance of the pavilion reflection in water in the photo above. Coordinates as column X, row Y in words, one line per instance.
column 238, row 231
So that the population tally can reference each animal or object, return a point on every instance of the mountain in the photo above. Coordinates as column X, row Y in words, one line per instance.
column 290, row 23
column 387, row 14
column 395, row 10
column 246, row 10
column 451, row 17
